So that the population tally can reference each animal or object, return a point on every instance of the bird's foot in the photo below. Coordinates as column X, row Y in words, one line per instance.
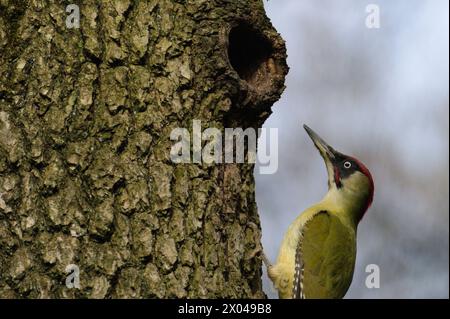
column 265, row 260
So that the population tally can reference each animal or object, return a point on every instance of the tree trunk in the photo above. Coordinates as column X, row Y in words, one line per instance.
column 86, row 177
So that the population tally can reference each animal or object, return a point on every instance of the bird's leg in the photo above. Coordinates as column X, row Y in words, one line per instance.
column 265, row 260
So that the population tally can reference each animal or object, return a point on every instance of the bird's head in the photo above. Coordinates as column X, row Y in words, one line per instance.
column 349, row 180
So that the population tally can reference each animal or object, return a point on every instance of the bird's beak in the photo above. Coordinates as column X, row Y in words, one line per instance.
column 327, row 152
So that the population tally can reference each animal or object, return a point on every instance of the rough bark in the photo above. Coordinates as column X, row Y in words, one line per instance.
column 85, row 172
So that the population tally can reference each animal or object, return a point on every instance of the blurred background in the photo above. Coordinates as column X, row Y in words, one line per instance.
column 381, row 95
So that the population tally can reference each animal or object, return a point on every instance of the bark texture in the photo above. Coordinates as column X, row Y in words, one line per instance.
column 85, row 122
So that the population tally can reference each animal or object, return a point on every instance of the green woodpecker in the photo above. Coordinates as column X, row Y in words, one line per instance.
column 317, row 255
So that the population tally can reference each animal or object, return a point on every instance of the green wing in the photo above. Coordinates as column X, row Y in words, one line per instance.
column 325, row 258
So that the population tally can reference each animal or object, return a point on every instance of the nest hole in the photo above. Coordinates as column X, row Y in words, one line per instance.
column 250, row 54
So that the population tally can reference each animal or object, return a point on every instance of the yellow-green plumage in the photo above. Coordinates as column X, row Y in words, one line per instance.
column 318, row 252
column 327, row 250
column 330, row 251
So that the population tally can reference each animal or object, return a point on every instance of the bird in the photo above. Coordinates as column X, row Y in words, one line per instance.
column 317, row 256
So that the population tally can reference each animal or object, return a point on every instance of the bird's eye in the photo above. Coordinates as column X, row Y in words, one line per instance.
column 347, row 164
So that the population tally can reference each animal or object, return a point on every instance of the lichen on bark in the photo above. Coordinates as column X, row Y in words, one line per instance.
column 85, row 171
